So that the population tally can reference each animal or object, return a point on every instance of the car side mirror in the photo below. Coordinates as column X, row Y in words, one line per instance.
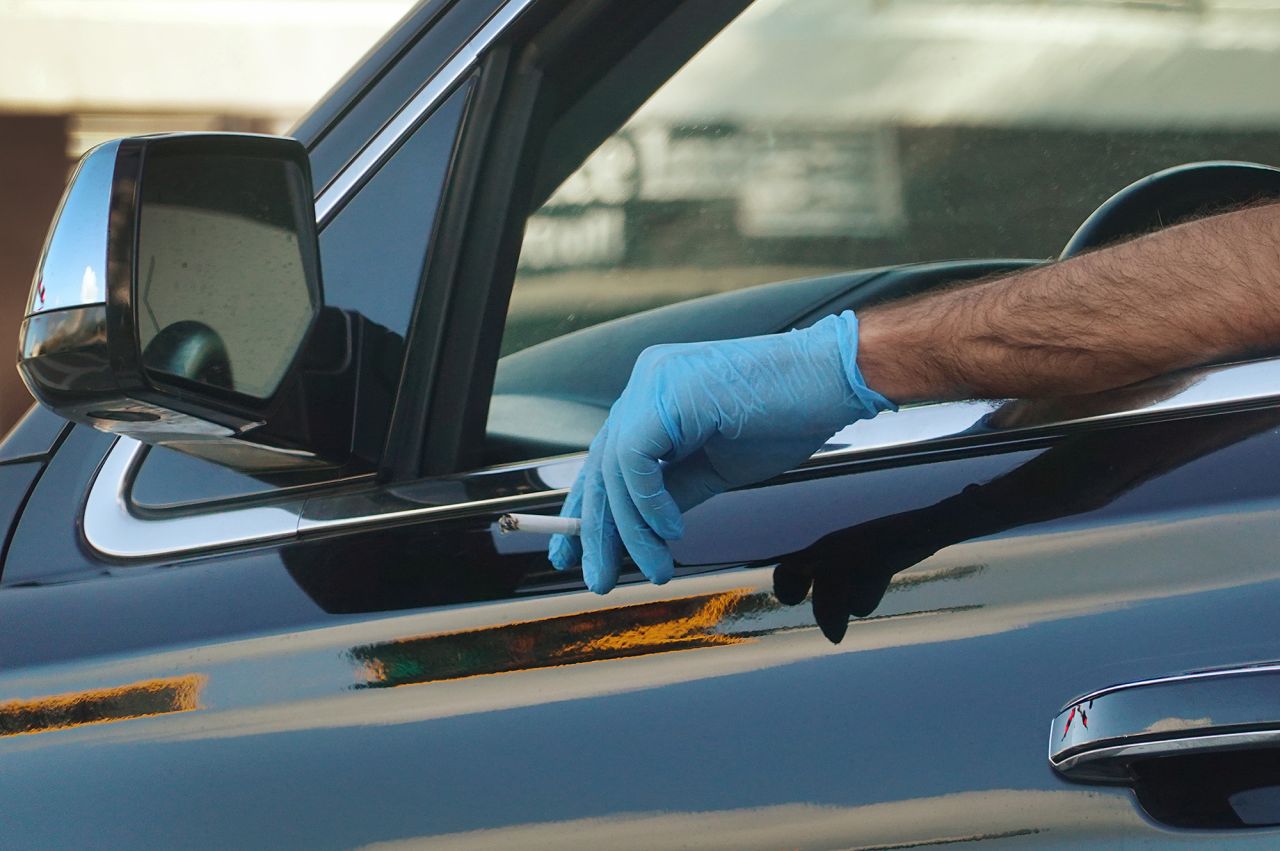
column 176, row 296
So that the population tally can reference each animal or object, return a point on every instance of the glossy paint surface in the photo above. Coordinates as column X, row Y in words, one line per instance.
column 16, row 480
column 416, row 684
column 33, row 436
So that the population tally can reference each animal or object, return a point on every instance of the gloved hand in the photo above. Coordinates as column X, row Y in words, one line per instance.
column 696, row 419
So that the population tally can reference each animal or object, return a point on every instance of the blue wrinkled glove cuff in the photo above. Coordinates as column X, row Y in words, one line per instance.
column 847, row 339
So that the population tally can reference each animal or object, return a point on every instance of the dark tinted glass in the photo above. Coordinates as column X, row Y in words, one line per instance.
column 226, row 279
column 168, row 479
column 373, row 250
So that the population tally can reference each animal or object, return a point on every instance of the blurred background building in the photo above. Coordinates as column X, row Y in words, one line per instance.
column 814, row 137
column 77, row 72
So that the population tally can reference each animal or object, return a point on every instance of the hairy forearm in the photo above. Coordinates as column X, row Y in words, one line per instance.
column 1201, row 291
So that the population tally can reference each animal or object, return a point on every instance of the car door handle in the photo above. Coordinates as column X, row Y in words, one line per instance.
column 1102, row 736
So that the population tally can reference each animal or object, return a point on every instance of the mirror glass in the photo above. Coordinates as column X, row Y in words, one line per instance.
column 225, row 293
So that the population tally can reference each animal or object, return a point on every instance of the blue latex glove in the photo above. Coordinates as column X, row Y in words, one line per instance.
column 696, row 419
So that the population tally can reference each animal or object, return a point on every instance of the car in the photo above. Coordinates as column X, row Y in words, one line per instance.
column 254, row 589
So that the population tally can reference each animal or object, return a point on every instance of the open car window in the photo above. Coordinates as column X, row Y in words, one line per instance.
column 813, row 139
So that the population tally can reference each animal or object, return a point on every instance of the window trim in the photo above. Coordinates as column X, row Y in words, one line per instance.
column 113, row 529
column 406, row 119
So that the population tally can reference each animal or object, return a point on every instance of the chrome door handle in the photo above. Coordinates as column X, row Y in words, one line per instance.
column 1098, row 738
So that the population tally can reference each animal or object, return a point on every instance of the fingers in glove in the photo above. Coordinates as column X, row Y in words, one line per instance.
column 565, row 551
column 693, row 481
column 637, row 453
column 647, row 549
column 601, row 547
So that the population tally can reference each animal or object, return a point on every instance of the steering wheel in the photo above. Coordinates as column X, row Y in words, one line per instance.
column 1174, row 195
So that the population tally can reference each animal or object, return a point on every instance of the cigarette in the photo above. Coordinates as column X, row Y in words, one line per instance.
column 539, row 524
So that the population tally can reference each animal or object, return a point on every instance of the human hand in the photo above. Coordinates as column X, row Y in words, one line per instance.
column 696, row 419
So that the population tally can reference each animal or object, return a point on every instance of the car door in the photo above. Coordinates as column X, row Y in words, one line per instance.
column 866, row 652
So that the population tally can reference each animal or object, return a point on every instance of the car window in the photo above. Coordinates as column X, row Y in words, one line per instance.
column 813, row 137
column 372, row 254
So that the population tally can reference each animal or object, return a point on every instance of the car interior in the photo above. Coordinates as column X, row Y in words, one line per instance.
column 552, row 397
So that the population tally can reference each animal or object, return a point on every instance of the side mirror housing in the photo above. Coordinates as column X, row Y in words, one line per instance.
column 176, row 296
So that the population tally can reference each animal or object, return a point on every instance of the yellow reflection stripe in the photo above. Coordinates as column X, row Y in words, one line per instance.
column 678, row 624
column 101, row 706
column 696, row 626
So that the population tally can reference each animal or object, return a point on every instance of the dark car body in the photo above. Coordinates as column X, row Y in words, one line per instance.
column 867, row 652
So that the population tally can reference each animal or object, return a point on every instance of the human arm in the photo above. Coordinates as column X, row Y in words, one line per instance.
column 1197, row 292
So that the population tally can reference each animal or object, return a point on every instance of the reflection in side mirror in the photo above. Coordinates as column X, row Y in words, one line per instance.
column 176, row 296
column 226, row 256
column 191, row 350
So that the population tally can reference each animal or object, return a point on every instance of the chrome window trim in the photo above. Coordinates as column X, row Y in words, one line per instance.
column 384, row 143
column 493, row 490
column 112, row 528
column 1228, row 386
